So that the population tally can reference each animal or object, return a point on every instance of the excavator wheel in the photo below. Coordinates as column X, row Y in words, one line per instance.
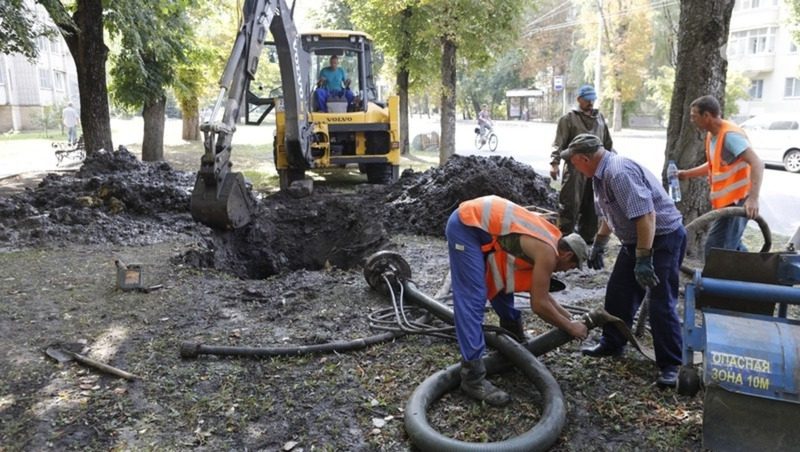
column 381, row 173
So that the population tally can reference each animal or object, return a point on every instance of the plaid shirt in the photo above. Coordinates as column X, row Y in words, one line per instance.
column 624, row 191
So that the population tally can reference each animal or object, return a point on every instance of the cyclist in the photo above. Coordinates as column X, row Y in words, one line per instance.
column 484, row 122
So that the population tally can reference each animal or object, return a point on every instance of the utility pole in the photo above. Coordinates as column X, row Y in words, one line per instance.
column 598, row 66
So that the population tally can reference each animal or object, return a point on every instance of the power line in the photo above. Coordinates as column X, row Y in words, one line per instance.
column 549, row 14
column 572, row 23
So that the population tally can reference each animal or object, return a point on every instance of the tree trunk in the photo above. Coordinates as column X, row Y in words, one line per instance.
column 617, row 120
column 153, row 139
column 447, row 146
column 402, row 79
column 701, row 69
column 191, row 119
column 89, row 52
column 402, row 88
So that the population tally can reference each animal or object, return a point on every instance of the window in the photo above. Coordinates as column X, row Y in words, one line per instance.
column 2, row 70
column 45, row 81
column 756, row 89
column 60, row 80
column 792, row 47
column 752, row 42
column 754, row 4
column 43, row 44
column 792, row 87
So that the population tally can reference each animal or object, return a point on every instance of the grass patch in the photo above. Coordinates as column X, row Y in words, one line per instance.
column 34, row 135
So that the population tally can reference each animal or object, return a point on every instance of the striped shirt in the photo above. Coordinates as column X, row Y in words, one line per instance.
column 624, row 191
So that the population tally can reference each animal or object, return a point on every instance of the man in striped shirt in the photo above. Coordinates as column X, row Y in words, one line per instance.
column 633, row 204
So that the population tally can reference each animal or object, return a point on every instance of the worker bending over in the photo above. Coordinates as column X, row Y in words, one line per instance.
column 497, row 248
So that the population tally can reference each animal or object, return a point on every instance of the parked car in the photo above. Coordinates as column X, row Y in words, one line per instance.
column 776, row 139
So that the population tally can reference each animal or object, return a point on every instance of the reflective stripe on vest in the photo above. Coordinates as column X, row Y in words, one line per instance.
column 498, row 216
column 729, row 183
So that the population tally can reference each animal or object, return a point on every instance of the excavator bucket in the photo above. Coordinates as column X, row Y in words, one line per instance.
column 227, row 205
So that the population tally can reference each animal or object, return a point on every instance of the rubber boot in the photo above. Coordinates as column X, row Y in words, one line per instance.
column 515, row 327
column 474, row 383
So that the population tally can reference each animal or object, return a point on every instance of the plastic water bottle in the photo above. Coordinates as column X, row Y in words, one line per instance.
column 674, row 184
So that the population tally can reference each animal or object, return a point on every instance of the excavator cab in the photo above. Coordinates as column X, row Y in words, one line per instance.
column 355, row 129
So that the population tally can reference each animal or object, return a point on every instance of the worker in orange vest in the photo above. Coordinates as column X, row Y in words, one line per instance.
column 497, row 248
column 734, row 171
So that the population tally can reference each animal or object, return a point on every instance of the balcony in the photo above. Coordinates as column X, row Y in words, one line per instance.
column 755, row 18
column 750, row 65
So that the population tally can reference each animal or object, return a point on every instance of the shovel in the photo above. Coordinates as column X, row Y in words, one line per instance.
column 62, row 355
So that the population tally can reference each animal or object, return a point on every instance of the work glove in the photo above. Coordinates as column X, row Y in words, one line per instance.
column 595, row 260
column 644, row 271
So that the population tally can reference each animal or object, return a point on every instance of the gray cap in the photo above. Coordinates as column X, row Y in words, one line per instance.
column 585, row 143
column 578, row 246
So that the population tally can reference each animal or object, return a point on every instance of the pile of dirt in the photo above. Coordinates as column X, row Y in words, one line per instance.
column 113, row 198
column 421, row 203
column 333, row 228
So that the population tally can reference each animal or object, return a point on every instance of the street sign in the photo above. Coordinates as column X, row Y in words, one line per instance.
column 558, row 82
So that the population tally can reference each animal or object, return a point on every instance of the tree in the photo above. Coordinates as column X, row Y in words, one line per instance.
column 478, row 31
column 398, row 28
column 626, row 47
column 154, row 37
column 701, row 70
column 19, row 29
column 83, row 32
column 660, row 88
column 489, row 85
column 550, row 50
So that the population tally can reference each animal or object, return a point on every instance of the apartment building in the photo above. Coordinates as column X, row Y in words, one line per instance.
column 28, row 87
column 761, row 47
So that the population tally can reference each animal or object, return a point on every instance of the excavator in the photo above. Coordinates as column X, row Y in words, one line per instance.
column 364, row 132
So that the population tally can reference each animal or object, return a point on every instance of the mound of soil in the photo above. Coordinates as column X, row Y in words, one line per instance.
column 421, row 203
column 113, row 198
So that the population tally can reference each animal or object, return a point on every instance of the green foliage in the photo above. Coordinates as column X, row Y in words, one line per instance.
column 335, row 15
column 19, row 29
column 153, row 37
column 660, row 88
column 736, row 88
column 489, row 85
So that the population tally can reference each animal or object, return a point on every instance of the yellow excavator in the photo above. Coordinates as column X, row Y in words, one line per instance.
column 363, row 132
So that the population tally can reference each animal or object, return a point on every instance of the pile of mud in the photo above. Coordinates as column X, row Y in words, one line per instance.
column 420, row 203
column 113, row 198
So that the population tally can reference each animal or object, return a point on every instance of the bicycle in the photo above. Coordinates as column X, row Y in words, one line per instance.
column 488, row 139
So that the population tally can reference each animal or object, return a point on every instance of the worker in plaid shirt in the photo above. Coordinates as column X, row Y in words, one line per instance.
column 633, row 204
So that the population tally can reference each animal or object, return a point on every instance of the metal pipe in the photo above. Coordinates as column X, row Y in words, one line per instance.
column 755, row 292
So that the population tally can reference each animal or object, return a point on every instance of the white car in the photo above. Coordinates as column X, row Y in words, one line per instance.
column 776, row 139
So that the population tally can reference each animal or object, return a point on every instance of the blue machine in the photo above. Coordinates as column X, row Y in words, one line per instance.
column 750, row 369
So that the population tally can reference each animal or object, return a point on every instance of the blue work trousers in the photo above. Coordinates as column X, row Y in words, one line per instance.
column 467, row 274
column 322, row 95
column 726, row 233
column 624, row 295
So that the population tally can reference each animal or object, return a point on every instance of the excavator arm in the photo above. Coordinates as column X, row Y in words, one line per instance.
column 220, row 197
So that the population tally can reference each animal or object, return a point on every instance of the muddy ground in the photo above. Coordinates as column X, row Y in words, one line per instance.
column 293, row 277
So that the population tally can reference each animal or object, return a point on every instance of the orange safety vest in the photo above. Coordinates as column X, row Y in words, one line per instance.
column 729, row 183
column 498, row 217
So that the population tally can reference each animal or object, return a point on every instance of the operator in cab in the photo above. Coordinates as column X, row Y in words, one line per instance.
column 333, row 83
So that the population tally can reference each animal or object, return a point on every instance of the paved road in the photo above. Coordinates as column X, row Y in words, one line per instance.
column 527, row 142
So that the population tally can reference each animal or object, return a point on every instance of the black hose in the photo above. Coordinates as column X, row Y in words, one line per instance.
column 543, row 435
column 193, row 349
column 554, row 412
column 702, row 222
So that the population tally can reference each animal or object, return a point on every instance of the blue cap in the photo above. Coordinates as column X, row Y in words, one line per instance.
column 587, row 92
